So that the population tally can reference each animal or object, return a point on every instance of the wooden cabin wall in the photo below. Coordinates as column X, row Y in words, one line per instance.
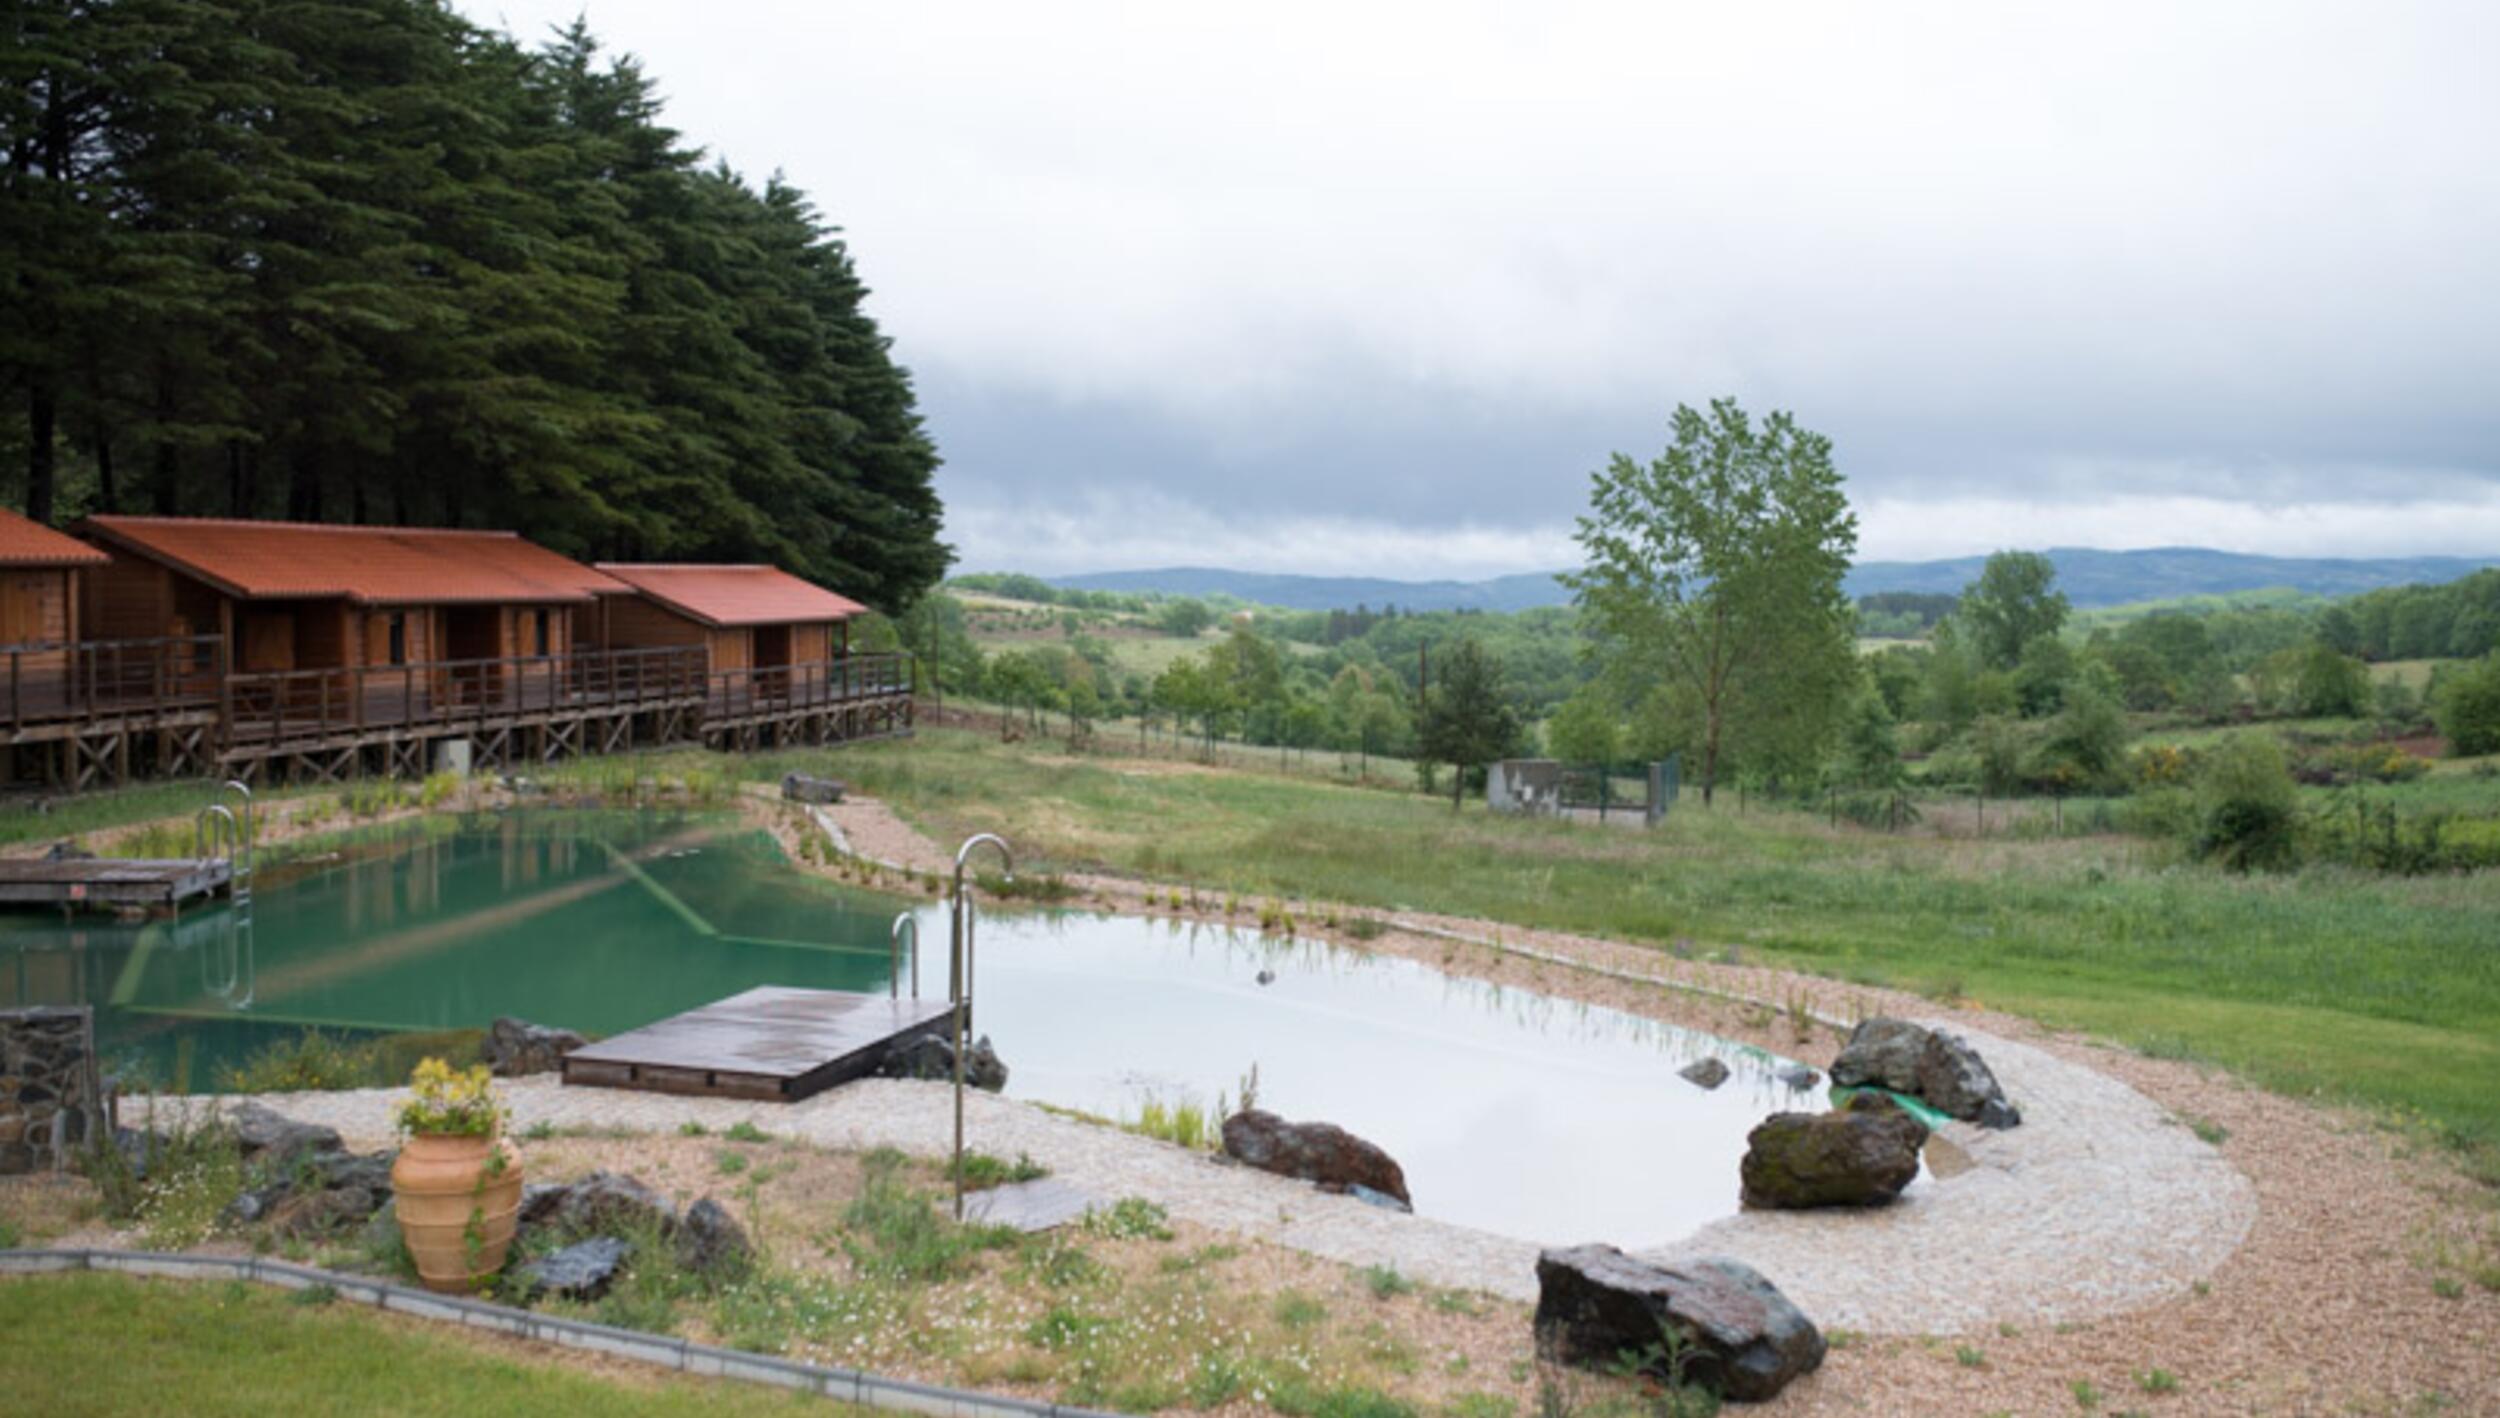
column 325, row 637
column 129, row 598
column 807, row 644
column 730, row 648
column 637, row 623
column 265, row 636
column 35, row 607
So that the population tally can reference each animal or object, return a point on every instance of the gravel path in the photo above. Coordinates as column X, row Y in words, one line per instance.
column 2099, row 1202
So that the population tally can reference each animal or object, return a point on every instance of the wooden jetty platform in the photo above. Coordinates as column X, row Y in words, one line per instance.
column 112, row 882
column 772, row 1043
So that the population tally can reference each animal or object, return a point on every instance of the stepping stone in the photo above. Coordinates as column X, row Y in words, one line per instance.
column 1033, row 1206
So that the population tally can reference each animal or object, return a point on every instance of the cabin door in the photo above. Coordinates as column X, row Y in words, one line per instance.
column 772, row 662
column 473, row 641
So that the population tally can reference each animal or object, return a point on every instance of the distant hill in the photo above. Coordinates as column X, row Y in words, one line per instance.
column 1327, row 593
column 2088, row 576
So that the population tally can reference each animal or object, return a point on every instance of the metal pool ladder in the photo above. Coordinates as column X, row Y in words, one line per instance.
column 959, row 980
column 220, row 826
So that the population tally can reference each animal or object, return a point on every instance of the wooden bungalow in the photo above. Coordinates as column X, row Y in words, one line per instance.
column 39, row 572
column 347, row 628
column 771, row 641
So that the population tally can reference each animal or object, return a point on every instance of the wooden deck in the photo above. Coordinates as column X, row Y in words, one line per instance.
column 770, row 1043
column 112, row 881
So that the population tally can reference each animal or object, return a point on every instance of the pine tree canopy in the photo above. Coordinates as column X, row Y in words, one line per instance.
column 361, row 260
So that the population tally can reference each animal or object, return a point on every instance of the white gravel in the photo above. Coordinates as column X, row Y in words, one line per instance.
column 2100, row 1202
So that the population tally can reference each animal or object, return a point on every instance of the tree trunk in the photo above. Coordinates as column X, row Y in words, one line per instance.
column 108, row 497
column 42, row 414
column 165, row 483
column 303, row 494
column 1710, row 759
column 1458, row 786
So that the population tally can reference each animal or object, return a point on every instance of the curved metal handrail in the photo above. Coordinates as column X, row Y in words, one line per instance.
column 894, row 960
column 211, row 826
column 959, row 980
column 246, row 860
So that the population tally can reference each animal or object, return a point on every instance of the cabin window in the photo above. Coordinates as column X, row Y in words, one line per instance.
column 541, row 632
column 399, row 638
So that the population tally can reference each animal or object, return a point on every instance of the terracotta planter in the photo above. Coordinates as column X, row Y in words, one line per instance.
column 456, row 1211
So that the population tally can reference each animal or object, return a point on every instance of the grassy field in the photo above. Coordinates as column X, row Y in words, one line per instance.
column 2382, row 991
column 111, row 1344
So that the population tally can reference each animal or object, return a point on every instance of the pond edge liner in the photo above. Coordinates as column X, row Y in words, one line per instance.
column 685, row 1356
column 1548, row 957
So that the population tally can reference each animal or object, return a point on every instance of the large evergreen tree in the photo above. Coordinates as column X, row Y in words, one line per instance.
column 361, row 260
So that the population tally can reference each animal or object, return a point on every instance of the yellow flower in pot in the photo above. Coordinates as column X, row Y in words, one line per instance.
column 457, row 1180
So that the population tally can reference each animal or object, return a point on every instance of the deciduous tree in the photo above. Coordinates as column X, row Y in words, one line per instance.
column 1714, row 571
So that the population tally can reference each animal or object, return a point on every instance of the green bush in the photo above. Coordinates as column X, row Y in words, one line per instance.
column 2160, row 812
column 2468, row 709
column 2247, row 809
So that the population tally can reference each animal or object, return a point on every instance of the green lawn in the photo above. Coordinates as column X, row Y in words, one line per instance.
column 2384, row 991
column 81, row 1344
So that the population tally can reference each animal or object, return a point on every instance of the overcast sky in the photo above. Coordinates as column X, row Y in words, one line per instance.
column 1371, row 289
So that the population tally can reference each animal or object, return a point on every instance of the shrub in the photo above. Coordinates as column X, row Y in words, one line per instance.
column 2247, row 810
column 2161, row 765
column 2468, row 709
column 2160, row 812
column 310, row 1062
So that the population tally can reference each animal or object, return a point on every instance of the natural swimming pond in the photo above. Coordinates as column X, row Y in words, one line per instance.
column 1510, row 1111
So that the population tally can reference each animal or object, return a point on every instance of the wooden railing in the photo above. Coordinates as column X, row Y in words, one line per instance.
column 54, row 683
column 777, row 689
column 49, row 683
column 284, row 706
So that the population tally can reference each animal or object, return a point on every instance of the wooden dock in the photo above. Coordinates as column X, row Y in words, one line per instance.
column 771, row 1043
column 112, row 882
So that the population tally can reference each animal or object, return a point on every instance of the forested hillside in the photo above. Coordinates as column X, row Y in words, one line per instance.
column 2093, row 578
column 364, row 261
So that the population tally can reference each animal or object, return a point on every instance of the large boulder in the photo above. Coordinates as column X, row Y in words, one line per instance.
column 1955, row 1082
column 370, row 1171
column 1860, row 1154
column 269, row 1137
column 309, row 1216
column 808, row 788
column 710, row 1242
column 932, row 1056
column 1881, row 1053
column 602, row 1204
column 1315, row 1152
column 1733, row 1330
column 515, row 1047
column 581, row 1271
column 309, row 1194
column 1940, row 1069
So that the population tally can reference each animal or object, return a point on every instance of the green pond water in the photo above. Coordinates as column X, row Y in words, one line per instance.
column 1512, row 1111
column 602, row 921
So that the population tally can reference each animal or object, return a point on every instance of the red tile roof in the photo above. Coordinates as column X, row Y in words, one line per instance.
column 26, row 542
column 734, row 595
column 368, row 565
